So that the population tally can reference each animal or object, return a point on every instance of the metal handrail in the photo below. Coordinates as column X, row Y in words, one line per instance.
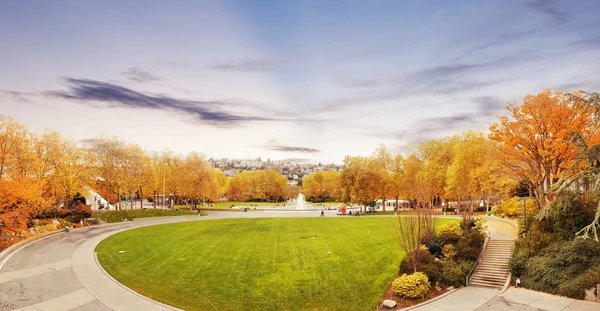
column 507, row 269
column 487, row 238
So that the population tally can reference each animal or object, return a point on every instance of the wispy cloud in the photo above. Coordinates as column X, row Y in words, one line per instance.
column 88, row 141
column 292, row 149
column 208, row 112
column 547, row 8
column 274, row 145
column 245, row 65
column 18, row 96
column 139, row 75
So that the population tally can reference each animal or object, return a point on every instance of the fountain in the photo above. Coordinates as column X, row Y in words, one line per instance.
column 300, row 202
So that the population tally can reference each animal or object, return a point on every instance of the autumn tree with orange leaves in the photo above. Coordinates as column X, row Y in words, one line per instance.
column 20, row 200
column 536, row 138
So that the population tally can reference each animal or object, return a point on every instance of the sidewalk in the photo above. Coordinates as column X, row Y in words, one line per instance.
column 546, row 301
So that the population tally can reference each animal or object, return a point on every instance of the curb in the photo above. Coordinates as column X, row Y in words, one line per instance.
column 429, row 301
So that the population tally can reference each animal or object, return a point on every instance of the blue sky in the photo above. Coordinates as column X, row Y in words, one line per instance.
column 311, row 79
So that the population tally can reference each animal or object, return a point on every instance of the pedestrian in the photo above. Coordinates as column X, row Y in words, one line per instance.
column 322, row 213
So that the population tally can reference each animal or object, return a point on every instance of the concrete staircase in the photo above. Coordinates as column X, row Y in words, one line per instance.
column 492, row 268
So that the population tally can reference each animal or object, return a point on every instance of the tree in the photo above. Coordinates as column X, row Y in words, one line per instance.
column 536, row 139
column 20, row 200
column 382, row 163
column 16, row 156
column 437, row 156
column 398, row 179
column 358, row 178
column 584, row 174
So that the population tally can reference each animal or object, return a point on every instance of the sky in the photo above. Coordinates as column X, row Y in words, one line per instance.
column 309, row 80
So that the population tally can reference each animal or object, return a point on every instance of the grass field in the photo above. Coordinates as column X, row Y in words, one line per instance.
column 258, row 264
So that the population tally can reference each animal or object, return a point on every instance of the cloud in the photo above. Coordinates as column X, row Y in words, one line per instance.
column 488, row 105
column 208, row 112
column 244, row 65
column 138, row 75
column 546, row 7
column 276, row 146
column 18, row 96
column 292, row 149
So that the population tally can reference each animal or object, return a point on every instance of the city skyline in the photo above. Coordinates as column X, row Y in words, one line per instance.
column 306, row 80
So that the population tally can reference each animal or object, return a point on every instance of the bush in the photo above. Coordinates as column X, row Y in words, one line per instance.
column 435, row 246
column 569, row 214
column 454, row 273
column 449, row 251
column 411, row 286
column 563, row 268
column 428, row 264
column 538, row 235
column 513, row 207
column 450, row 232
column 81, row 212
column 469, row 246
column 50, row 227
column 517, row 263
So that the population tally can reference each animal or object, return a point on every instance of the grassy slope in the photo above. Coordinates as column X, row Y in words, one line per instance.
column 258, row 264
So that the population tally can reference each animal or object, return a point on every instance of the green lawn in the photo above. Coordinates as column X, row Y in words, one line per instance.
column 258, row 264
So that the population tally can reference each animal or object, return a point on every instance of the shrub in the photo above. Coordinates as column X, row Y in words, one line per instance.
column 435, row 246
column 563, row 268
column 50, row 227
column 569, row 214
column 454, row 273
column 411, row 286
column 428, row 264
column 450, row 232
column 469, row 246
column 517, row 263
column 449, row 251
column 512, row 208
column 81, row 212
column 538, row 235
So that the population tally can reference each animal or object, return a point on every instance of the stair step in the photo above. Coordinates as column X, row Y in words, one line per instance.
column 483, row 284
column 495, row 261
column 491, row 269
column 490, row 275
column 494, row 269
column 491, row 282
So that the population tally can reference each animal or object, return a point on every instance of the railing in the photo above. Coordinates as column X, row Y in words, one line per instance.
column 487, row 238
column 506, row 270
